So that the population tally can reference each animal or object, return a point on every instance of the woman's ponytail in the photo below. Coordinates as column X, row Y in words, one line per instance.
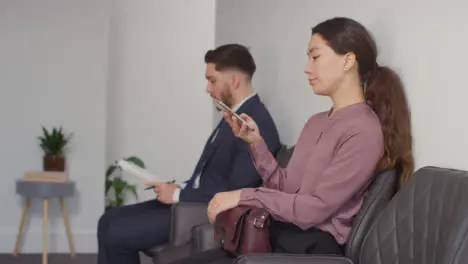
column 385, row 92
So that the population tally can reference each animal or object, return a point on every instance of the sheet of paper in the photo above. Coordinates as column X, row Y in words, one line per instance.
column 141, row 173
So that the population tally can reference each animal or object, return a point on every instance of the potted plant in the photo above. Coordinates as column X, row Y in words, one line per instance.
column 119, row 186
column 53, row 144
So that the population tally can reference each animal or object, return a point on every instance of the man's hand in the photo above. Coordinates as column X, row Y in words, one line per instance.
column 221, row 202
column 165, row 191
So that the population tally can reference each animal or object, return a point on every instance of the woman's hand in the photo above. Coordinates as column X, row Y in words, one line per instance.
column 221, row 202
column 241, row 130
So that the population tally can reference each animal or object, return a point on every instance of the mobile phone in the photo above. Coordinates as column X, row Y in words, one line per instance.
column 225, row 107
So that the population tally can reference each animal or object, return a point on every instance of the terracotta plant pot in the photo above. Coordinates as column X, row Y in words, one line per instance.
column 54, row 163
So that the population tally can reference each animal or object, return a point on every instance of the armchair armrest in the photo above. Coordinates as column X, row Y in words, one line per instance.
column 292, row 259
column 171, row 254
column 184, row 217
column 203, row 238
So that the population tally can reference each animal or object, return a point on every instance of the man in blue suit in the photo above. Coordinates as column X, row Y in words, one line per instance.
column 225, row 163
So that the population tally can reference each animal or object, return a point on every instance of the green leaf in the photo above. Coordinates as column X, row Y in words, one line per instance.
column 135, row 160
column 119, row 201
column 110, row 170
column 108, row 186
column 132, row 189
column 46, row 133
column 119, row 186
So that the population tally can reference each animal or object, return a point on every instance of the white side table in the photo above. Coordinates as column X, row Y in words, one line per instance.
column 45, row 191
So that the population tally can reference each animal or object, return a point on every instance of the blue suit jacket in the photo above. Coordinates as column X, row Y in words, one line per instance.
column 226, row 163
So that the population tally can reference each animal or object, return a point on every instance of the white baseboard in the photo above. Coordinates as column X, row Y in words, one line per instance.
column 85, row 241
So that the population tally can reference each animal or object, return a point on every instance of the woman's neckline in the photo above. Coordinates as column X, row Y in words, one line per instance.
column 333, row 113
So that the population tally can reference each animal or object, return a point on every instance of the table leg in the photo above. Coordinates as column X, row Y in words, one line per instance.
column 66, row 220
column 46, row 233
column 21, row 226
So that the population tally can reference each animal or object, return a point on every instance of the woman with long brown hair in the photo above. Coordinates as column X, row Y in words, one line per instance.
column 314, row 199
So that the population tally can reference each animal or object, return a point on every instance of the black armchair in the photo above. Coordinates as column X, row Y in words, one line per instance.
column 290, row 258
column 426, row 222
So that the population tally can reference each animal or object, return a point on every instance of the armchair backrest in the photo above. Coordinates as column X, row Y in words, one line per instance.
column 284, row 155
column 426, row 222
column 379, row 194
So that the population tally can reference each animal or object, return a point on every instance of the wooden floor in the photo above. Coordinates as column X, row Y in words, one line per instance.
column 56, row 259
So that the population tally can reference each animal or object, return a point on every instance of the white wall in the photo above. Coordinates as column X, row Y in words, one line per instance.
column 53, row 71
column 423, row 41
column 127, row 78
column 158, row 107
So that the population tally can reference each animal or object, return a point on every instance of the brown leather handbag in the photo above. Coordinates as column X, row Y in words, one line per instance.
column 243, row 230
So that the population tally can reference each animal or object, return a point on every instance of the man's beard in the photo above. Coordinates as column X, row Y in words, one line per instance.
column 226, row 98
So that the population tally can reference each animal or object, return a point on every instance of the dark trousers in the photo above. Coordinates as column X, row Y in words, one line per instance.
column 124, row 231
column 284, row 238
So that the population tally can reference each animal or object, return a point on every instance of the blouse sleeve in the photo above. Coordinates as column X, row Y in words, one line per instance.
column 272, row 174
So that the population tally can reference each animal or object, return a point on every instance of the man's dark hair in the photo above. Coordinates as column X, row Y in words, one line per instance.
column 232, row 56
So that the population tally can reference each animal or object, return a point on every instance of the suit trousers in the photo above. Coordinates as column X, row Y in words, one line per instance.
column 124, row 231
column 284, row 238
